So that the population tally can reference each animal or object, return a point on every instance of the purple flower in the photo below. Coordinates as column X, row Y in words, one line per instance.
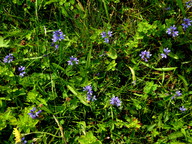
column 72, row 60
column 106, row 40
column 23, row 140
column 103, row 34
column 109, row 33
column 145, row 55
column 33, row 110
column 163, row 55
column 56, row 47
column 172, row 31
column 182, row 109
column 90, row 96
column 188, row 4
column 22, row 74
column 58, row 35
column 167, row 51
column 8, row 58
column 21, row 68
column 186, row 24
column 178, row 93
column 115, row 101
column 88, row 89
column 106, row 36
column 168, row 8
column 34, row 114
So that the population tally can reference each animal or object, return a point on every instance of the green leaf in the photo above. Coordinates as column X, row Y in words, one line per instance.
column 175, row 135
column 180, row 4
column 80, row 97
column 89, row 138
column 111, row 66
column 165, row 69
column 58, row 66
column 88, row 59
column 112, row 53
column 72, row 90
column 3, row 43
column 133, row 73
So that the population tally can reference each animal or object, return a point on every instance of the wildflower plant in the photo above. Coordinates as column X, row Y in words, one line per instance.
column 89, row 91
column 172, row 31
column 145, row 55
column 33, row 113
column 8, row 58
column 115, row 101
column 90, row 96
column 106, row 35
column 73, row 60
column 166, row 52
column 186, row 24
column 188, row 4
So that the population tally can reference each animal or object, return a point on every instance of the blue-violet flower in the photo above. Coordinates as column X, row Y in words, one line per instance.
column 145, row 55
column 172, row 31
column 182, row 109
column 186, row 24
column 189, row 4
column 34, row 114
column 115, row 101
column 58, row 35
column 72, row 60
column 8, row 58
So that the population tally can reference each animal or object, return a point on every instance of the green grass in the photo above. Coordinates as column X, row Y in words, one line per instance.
column 147, row 114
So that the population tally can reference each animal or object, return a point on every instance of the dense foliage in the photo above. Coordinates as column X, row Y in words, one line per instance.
column 96, row 71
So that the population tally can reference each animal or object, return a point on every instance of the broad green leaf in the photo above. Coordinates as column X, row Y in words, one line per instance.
column 89, row 138
column 72, row 90
column 175, row 135
column 112, row 53
column 150, row 128
column 111, row 66
column 3, row 43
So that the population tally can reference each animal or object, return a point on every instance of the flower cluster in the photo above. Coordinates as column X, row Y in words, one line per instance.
column 34, row 114
column 172, row 31
column 188, row 4
column 72, row 60
column 145, row 55
column 177, row 94
column 115, row 101
column 21, row 70
column 166, row 52
column 8, row 58
column 89, row 91
column 182, row 109
column 23, row 140
column 186, row 24
column 106, row 36
column 57, row 36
